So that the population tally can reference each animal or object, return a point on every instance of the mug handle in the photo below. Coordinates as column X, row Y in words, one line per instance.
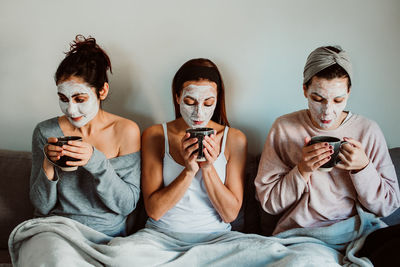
column 341, row 143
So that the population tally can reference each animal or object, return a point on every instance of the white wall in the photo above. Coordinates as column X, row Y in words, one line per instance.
column 260, row 47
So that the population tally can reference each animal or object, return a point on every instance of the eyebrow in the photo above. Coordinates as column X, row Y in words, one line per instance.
column 77, row 94
column 314, row 93
column 196, row 99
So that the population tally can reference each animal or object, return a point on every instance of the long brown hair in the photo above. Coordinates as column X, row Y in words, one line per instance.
column 194, row 70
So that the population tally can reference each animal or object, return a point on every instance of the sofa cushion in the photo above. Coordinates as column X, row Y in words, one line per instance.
column 15, row 206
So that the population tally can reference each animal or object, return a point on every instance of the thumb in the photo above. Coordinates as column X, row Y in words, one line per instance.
column 307, row 140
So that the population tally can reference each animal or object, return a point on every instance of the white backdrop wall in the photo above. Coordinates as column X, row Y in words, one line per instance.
column 259, row 46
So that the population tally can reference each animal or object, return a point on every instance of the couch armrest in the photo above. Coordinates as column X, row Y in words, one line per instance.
column 15, row 206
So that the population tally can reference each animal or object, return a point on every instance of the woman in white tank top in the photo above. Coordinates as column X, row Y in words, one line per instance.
column 181, row 194
column 190, row 204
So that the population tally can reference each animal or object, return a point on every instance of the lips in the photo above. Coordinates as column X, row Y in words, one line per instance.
column 77, row 118
column 326, row 121
column 197, row 122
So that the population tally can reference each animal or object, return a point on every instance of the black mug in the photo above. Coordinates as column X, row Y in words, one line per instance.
column 199, row 133
column 62, row 162
column 336, row 143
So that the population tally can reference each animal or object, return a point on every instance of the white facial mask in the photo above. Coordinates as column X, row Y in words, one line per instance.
column 327, row 112
column 197, row 115
column 86, row 110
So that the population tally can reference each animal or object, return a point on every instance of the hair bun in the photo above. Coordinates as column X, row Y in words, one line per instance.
column 81, row 44
column 85, row 59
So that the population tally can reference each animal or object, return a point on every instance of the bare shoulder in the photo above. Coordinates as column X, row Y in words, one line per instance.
column 128, row 133
column 153, row 131
column 236, row 141
column 236, row 136
column 153, row 140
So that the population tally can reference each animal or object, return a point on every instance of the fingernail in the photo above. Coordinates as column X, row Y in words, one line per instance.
column 331, row 147
column 326, row 144
column 331, row 151
column 329, row 157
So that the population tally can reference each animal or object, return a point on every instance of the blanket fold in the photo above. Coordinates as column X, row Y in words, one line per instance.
column 60, row 241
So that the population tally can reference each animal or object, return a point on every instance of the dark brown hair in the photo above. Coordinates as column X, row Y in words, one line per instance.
column 332, row 72
column 206, row 69
column 85, row 60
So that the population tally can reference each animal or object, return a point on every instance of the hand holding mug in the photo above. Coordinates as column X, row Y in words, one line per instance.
column 352, row 156
column 57, row 155
column 188, row 148
column 211, row 151
column 79, row 150
column 53, row 152
column 313, row 157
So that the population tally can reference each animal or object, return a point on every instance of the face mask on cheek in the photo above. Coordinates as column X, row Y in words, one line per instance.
column 327, row 112
column 197, row 115
column 86, row 110
column 325, row 115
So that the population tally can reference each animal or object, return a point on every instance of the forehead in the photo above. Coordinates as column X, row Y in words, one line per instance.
column 331, row 87
column 73, row 86
column 72, row 78
column 199, row 87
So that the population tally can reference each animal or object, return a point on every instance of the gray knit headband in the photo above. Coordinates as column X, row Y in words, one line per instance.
column 322, row 58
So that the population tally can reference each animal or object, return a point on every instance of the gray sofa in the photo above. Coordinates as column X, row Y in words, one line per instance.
column 15, row 206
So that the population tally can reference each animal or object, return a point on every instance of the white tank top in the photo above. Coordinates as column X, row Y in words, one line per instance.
column 194, row 212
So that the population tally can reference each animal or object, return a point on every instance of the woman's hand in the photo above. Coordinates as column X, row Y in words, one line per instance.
column 78, row 150
column 53, row 152
column 313, row 157
column 211, row 151
column 352, row 156
column 188, row 146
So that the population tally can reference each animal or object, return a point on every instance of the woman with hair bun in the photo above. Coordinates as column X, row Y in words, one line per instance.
column 81, row 201
column 105, row 187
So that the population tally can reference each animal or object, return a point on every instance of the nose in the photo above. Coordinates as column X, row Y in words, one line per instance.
column 327, row 109
column 72, row 108
column 198, row 111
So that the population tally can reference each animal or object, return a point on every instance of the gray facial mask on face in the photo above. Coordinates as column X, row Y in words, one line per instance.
column 197, row 112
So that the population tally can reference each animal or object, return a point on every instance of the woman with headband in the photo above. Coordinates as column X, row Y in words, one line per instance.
column 289, row 181
column 105, row 187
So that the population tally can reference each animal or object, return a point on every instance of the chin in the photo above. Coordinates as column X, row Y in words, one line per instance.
column 326, row 126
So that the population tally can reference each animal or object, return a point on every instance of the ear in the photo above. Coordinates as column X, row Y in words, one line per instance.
column 104, row 91
column 305, row 91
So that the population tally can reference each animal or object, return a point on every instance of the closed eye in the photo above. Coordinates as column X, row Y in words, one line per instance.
column 339, row 100
column 317, row 98
column 189, row 101
column 62, row 98
column 80, row 98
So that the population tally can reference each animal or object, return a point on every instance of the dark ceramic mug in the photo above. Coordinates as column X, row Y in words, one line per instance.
column 62, row 162
column 200, row 133
column 336, row 143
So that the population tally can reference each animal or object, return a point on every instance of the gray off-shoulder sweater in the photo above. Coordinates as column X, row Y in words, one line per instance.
column 100, row 194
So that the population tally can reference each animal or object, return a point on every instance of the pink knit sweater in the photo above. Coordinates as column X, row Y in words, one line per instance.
column 328, row 197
